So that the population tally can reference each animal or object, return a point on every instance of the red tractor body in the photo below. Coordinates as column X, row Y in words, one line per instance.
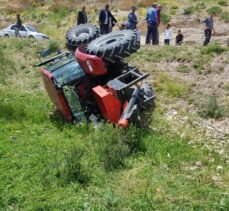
column 84, row 88
column 94, row 83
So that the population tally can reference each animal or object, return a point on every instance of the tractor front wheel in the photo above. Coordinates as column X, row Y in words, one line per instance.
column 81, row 34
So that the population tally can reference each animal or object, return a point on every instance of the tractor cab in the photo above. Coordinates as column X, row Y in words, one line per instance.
column 60, row 76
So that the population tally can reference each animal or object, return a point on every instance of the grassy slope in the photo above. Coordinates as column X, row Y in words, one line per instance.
column 46, row 164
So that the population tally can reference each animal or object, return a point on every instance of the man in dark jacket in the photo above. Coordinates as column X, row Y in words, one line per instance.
column 82, row 16
column 18, row 25
column 132, row 20
column 106, row 19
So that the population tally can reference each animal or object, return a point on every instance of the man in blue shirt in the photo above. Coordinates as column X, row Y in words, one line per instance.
column 152, row 24
column 132, row 20
column 209, row 27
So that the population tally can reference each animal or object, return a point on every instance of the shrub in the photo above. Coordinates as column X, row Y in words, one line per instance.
column 112, row 150
column 212, row 108
column 72, row 169
column 225, row 17
column 115, row 145
column 214, row 9
column 133, row 139
column 165, row 18
column 189, row 10
column 200, row 5
column 7, row 65
column 223, row 3
column 53, row 46
column 114, row 153
column 183, row 69
column 213, row 48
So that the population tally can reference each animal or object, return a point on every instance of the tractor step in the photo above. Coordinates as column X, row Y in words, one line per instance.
column 127, row 80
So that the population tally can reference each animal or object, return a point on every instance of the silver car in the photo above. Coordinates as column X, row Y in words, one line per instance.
column 26, row 31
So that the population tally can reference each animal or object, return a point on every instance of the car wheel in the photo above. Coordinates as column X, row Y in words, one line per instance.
column 81, row 34
column 31, row 37
column 115, row 45
column 6, row 35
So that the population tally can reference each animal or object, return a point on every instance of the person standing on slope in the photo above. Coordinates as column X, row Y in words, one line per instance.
column 152, row 23
column 82, row 16
column 132, row 20
column 106, row 20
column 209, row 27
column 168, row 35
column 18, row 25
column 179, row 38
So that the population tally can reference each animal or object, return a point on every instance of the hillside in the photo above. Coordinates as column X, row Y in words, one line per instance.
column 178, row 160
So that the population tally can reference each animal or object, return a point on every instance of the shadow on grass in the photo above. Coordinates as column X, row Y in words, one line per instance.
column 12, row 113
column 58, row 120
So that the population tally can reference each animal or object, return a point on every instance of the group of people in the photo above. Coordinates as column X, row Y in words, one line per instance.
column 107, row 21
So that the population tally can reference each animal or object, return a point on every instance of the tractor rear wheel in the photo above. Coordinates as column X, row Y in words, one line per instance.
column 81, row 34
column 115, row 45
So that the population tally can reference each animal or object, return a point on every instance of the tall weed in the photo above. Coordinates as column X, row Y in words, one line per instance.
column 212, row 109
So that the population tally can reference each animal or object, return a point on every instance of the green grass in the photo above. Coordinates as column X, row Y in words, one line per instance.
column 212, row 109
column 183, row 69
column 225, row 17
column 165, row 18
column 223, row 2
column 214, row 10
column 172, row 86
column 213, row 48
column 189, row 10
column 5, row 62
column 47, row 164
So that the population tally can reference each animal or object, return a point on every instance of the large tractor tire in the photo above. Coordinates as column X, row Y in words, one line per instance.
column 81, row 34
column 115, row 45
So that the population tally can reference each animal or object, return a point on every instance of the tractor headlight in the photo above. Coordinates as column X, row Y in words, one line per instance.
column 89, row 65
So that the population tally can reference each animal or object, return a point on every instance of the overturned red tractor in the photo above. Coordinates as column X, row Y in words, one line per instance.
column 92, row 82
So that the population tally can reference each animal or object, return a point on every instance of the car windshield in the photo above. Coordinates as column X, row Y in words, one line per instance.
column 31, row 28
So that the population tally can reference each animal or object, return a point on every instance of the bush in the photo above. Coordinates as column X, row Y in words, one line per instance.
column 189, row 10
column 213, row 48
column 133, row 139
column 53, row 46
column 165, row 18
column 214, row 9
column 72, row 170
column 212, row 108
column 116, row 144
column 223, row 3
column 225, row 17
column 200, row 6
column 113, row 151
